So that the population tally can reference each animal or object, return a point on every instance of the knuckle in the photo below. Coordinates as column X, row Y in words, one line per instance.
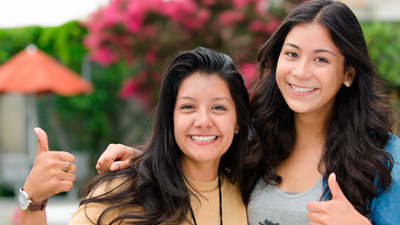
column 112, row 145
column 53, row 186
column 51, row 163
column 120, row 146
column 52, row 173
column 69, row 186
column 72, row 158
column 52, row 155
column 107, row 160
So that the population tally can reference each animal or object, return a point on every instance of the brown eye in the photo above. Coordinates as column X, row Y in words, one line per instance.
column 292, row 54
column 320, row 59
column 219, row 107
column 186, row 107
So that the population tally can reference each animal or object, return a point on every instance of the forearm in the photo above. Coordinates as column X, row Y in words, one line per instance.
column 29, row 218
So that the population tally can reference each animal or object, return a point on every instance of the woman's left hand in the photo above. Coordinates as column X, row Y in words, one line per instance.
column 336, row 211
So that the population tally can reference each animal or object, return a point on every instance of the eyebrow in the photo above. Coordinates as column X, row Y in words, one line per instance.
column 214, row 99
column 318, row 50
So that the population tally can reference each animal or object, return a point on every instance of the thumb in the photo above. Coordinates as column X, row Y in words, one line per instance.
column 43, row 145
column 336, row 192
column 119, row 165
column 114, row 167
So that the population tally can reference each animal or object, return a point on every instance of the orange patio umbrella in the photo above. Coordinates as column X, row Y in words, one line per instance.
column 33, row 71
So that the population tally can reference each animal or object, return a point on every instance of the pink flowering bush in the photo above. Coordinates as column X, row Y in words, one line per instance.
column 145, row 33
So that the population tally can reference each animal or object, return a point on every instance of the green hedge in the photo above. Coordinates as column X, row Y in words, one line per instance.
column 383, row 40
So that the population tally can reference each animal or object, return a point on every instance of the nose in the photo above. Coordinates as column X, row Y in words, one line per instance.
column 203, row 119
column 301, row 70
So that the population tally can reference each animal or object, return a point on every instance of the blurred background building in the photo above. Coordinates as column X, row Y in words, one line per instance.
column 382, row 10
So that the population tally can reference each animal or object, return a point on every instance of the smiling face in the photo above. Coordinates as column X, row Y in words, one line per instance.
column 204, row 121
column 310, row 70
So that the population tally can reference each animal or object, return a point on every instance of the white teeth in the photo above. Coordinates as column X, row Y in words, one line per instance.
column 203, row 138
column 299, row 89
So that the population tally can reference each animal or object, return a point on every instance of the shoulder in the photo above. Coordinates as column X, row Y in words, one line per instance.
column 228, row 185
column 108, row 186
column 393, row 146
column 90, row 212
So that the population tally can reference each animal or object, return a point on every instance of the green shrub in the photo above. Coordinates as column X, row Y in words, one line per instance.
column 383, row 41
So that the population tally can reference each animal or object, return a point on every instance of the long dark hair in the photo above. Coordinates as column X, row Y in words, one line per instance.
column 153, row 187
column 360, row 121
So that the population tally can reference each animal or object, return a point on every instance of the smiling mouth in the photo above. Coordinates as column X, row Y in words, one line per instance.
column 302, row 90
column 203, row 138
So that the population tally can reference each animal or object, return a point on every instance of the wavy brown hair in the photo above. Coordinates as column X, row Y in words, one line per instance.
column 361, row 118
column 153, row 190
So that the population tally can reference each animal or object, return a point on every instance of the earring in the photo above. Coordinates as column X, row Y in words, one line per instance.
column 347, row 83
column 236, row 131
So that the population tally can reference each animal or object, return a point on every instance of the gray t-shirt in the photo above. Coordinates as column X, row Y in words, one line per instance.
column 270, row 206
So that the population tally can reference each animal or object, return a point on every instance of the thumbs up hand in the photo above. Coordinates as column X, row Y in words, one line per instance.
column 116, row 157
column 336, row 211
column 52, row 171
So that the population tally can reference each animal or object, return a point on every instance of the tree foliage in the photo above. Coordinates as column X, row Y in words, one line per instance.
column 144, row 34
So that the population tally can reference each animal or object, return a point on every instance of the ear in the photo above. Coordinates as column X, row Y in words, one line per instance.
column 350, row 74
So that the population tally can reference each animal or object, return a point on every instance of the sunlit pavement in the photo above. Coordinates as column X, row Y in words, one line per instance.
column 59, row 210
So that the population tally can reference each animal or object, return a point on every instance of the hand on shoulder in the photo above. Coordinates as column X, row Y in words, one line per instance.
column 116, row 157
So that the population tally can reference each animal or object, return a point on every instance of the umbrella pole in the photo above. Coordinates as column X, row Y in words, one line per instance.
column 32, row 123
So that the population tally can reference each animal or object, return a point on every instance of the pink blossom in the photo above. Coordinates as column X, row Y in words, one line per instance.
column 135, row 12
column 228, row 18
column 248, row 71
column 111, row 15
column 239, row 4
column 128, row 89
column 261, row 7
column 192, row 24
column 203, row 15
column 150, row 57
column 145, row 99
column 196, row 23
column 256, row 26
column 156, row 77
column 149, row 30
column 178, row 11
column 133, row 22
column 272, row 25
column 95, row 24
column 138, row 7
column 123, row 41
column 103, row 56
column 92, row 41
column 207, row 2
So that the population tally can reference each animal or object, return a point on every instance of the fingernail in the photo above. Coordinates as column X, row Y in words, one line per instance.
column 114, row 167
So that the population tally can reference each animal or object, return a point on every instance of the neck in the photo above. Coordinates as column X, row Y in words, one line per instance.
column 201, row 172
column 310, row 133
column 311, row 125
